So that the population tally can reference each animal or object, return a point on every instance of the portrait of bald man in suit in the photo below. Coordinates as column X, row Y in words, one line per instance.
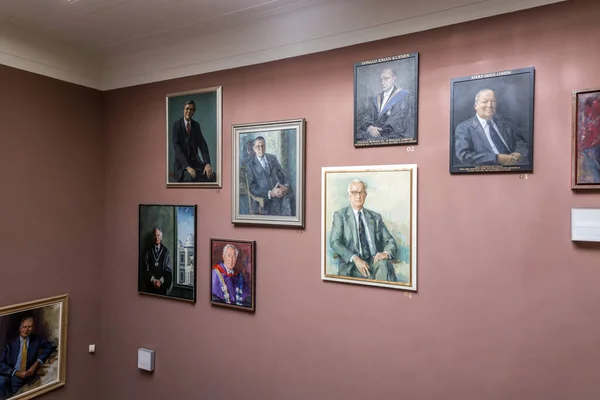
column 487, row 138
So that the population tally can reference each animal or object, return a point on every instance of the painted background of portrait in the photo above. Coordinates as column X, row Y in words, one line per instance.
column 281, row 143
column 514, row 97
column 243, row 263
column 368, row 81
column 47, row 325
column 176, row 222
column 382, row 187
column 588, row 159
column 205, row 115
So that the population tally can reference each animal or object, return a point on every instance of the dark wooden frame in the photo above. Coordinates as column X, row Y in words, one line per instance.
column 506, row 85
column 214, row 260
column 576, row 116
column 365, row 75
column 144, row 227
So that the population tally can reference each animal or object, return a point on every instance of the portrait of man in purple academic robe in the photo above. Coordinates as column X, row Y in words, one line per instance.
column 232, row 274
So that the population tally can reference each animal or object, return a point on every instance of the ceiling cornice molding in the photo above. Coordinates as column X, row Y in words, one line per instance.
column 30, row 51
column 247, row 43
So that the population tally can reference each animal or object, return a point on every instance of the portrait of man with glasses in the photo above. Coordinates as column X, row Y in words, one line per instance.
column 361, row 241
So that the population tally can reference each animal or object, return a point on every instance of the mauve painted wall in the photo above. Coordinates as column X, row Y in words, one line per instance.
column 52, row 208
column 507, row 305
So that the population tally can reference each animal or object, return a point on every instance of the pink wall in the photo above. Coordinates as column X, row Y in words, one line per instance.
column 52, row 208
column 515, row 323
column 486, row 324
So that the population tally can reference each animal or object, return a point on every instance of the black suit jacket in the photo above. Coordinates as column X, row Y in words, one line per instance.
column 186, row 148
column 471, row 147
column 38, row 349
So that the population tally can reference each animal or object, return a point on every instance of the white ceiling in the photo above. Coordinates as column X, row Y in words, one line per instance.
column 107, row 44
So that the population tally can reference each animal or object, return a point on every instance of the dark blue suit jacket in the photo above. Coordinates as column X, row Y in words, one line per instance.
column 259, row 183
column 38, row 349
column 186, row 148
column 471, row 147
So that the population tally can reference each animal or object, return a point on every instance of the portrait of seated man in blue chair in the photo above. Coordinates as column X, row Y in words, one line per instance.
column 269, row 188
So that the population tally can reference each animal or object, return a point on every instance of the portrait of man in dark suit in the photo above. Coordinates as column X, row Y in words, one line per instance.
column 268, row 181
column 167, row 251
column 22, row 357
column 385, row 103
column 194, row 139
column 157, row 267
column 188, row 141
column 492, row 121
column 488, row 138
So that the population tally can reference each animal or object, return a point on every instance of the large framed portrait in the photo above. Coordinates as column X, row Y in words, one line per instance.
column 232, row 273
column 268, row 173
column 369, row 225
column 491, row 122
column 194, row 138
column 386, row 100
column 167, row 251
column 33, row 338
column 585, row 139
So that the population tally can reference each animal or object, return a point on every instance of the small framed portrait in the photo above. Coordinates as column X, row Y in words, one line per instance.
column 369, row 225
column 167, row 251
column 232, row 273
column 194, row 138
column 33, row 338
column 585, row 158
column 268, row 173
column 491, row 122
column 386, row 100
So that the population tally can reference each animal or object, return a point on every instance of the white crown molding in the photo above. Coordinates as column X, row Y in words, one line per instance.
column 333, row 24
column 32, row 52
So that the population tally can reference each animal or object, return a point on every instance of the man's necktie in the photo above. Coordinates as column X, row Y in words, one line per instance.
column 265, row 165
column 500, row 146
column 187, row 127
column 362, row 236
column 23, row 365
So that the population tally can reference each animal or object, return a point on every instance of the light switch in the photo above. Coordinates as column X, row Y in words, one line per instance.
column 146, row 359
column 92, row 348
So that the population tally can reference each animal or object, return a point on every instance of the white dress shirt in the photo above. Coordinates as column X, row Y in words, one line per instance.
column 484, row 124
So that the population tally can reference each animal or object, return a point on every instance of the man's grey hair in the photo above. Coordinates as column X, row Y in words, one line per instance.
column 230, row 246
column 392, row 70
column 156, row 228
column 478, row 95
column 353, row 181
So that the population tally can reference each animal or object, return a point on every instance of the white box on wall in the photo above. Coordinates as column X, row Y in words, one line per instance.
column 146, row 359
column 585, row 225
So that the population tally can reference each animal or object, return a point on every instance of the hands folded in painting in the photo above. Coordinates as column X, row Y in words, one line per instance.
column 364, row 268
column 509, row 159
column 279, row 190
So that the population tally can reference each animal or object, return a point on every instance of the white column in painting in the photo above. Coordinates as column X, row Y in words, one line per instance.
column 189, row 260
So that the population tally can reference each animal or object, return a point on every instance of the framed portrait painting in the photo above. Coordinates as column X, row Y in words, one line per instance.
column 194, row 138
column 386, row 92
column 233, row 273
column 491, row 122
column 585, row 139
column 268, row 173
column 33, row 338
column 167, row 251
column 369, row 225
